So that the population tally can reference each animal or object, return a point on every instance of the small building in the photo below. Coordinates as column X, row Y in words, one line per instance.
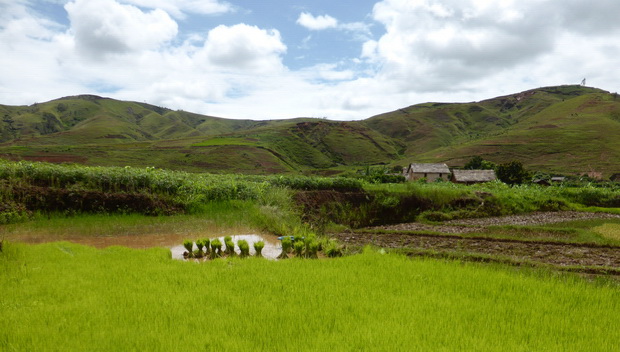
column 430, row 172
column 541, row 182
column 473, row 176
column 557, row 179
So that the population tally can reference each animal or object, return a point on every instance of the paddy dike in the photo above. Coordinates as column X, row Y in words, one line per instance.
column 451, row 242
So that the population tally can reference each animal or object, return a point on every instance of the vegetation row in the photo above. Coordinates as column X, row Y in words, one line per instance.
column 284, row 205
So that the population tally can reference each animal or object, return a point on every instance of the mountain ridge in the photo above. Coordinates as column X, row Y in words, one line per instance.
column 575, row 123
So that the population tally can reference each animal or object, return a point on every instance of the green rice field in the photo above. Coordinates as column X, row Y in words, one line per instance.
column 65, row 297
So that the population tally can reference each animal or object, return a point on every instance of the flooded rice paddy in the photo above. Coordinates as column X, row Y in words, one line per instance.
column 140, row 236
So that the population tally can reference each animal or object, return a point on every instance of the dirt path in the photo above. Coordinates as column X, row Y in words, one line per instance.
column 476, row 225
column 554, row 253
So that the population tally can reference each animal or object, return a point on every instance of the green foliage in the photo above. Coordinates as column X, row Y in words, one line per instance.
column 513, row 173
column 477, row 163
column 189, row 247
column 244, row 248
column 216, row 248
column 258, row 247
column 287, row 245
column 298, row 246
column 230, row 247
column 333, row 249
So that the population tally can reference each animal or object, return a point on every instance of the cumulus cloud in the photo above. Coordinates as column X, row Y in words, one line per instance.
column 316, row 23
column 446, row 45
column 102, row 27
column 361, row 30
column 449, row 50
column 244, row 47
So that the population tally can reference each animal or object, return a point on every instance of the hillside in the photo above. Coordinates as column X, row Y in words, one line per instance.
column 565, row 129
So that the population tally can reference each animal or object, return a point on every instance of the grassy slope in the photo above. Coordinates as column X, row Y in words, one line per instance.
column 575, row 135
column 61, row 296
column 564, row 129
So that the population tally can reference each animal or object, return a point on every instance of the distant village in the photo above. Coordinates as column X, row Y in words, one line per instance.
column 432, row 172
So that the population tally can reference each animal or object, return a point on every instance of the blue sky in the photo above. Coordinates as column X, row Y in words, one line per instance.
column 282, row 59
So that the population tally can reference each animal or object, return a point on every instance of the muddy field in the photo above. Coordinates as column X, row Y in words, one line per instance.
column 450, row 242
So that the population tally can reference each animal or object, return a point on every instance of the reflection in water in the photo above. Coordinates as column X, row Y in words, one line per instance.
column 272, row 246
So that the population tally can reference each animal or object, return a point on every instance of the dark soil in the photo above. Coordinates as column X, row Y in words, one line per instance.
column 552, row 253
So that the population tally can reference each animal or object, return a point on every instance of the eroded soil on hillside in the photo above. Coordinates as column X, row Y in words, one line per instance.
column 450, row 242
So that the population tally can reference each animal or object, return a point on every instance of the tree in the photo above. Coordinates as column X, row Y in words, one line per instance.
column 512, row 173
column 477, row 163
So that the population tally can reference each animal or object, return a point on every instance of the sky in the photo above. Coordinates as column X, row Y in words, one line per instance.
column 276, row 59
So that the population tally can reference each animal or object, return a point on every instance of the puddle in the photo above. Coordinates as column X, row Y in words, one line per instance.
column 271, row 250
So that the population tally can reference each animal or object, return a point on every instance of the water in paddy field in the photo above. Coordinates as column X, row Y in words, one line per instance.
column 271, row 250
column 173, row 241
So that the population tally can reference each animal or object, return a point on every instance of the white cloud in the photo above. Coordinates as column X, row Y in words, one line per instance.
column 431, row 51
column 102, row 27
column 316, row 23
column 178, row 8
column 244, row 47
column 319, row 23
column 454, row 45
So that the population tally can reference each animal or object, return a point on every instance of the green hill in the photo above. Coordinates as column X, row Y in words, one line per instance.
column 565, row 129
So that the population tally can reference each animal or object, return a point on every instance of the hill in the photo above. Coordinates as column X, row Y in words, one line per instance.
column 564, row 129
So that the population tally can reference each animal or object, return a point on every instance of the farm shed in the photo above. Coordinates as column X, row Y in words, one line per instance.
column 431, row 172
column 473, row 176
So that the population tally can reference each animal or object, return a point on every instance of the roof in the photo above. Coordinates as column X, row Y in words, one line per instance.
column 473, row 175
column 429, row 168
column 558, row 179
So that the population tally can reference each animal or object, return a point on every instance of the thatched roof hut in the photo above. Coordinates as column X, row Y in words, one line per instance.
column 430, row 172
column 473, row 176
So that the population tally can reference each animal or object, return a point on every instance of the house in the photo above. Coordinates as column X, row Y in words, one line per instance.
column 473, row 176
column 430, row 172
column 541, row 182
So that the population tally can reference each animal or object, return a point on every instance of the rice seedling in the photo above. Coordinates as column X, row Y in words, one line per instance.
column 189, row 247
column 287, row 244
column 333, row 249
column 258, row 247
column 207, row 244
column 244, row 248
column 230, row 247
column 313, row 250
column 299, row 249
column 216, row 248
column 200, row 244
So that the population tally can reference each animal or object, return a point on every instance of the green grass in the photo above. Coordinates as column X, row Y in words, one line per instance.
column 61, row 296
column 610, row 231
